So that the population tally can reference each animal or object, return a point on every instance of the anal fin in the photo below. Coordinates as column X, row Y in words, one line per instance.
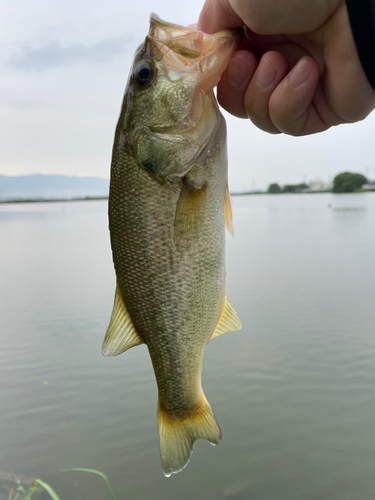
column 121, row 334
column 228, row 321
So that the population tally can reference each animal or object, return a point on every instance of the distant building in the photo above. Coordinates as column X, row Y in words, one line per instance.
column 317, row 186
column 369, row 185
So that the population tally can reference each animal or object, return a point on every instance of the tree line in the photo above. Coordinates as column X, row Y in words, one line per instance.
column 346, row 182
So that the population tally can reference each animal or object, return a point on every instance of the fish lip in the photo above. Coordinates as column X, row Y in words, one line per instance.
column 166, row 33
column 154, row 18
column 165, row 25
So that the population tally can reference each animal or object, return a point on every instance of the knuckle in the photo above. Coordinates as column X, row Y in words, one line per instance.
column 264, row 123
column 257, row 110
column 289, row 119
column 293, row 128
column 287, row 124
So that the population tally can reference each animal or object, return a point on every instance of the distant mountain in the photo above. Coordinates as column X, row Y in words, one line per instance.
column 42, row 186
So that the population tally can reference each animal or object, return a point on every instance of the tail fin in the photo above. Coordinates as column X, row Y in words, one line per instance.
column 177, row 435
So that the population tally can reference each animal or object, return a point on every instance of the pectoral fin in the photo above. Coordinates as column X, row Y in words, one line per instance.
column 121, row 334
column 189, row 217
column 228, row 217
column 228, row 321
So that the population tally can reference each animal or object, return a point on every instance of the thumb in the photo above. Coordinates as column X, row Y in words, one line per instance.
column 218, row 15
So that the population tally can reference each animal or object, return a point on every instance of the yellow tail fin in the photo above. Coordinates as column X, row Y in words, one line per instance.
column 177, row 435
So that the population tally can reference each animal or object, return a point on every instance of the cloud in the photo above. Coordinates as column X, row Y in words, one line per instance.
column 55, row 54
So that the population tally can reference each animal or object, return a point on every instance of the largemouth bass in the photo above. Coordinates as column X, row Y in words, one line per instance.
column 168, row 206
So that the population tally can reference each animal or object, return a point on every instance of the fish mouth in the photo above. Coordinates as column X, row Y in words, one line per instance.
column 189, row 41
column 188, row 50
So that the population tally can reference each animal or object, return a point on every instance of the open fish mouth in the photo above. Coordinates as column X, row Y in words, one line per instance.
column 188, row 41
column 184, row 48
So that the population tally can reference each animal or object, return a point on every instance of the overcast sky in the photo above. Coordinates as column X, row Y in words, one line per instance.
column 64, row 66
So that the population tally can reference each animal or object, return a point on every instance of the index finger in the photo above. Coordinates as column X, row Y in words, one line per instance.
column 217, row 15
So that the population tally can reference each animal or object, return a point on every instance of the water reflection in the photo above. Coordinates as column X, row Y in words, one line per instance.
column 293, row 391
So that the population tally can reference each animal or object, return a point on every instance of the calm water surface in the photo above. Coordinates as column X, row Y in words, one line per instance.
column 294, row 391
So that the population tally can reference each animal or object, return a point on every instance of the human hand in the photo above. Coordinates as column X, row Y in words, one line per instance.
column 309, row 76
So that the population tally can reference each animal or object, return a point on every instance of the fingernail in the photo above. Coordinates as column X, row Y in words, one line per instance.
column 265, row 74
column 299, row 73
column 236, row 73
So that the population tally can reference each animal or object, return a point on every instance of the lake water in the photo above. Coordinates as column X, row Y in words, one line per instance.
column 293, row 392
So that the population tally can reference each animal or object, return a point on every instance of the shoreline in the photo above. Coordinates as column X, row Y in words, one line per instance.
column 52, row 200
column 102, row 198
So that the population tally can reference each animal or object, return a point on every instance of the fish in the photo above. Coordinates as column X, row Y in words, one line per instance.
column 168, row 208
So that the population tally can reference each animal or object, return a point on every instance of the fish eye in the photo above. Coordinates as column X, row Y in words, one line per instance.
column 144, row 73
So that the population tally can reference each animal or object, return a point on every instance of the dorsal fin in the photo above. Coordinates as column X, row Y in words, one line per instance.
column 228, row 321
column 121, row 334
column 228, row 217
